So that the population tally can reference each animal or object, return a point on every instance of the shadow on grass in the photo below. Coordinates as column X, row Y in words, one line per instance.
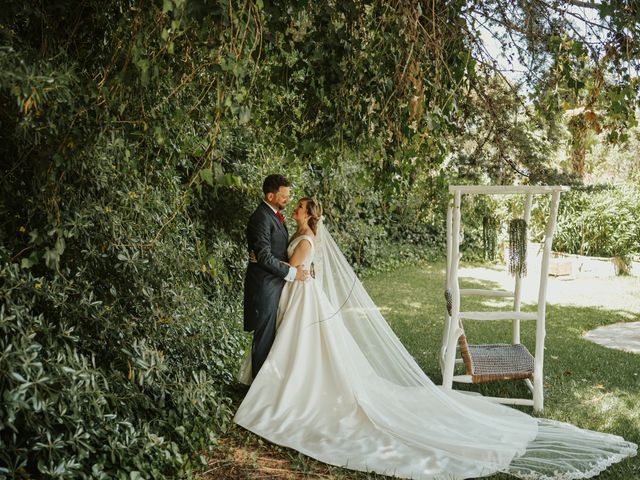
column 586, row 384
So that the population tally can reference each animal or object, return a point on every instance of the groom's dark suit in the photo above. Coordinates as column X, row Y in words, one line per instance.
column 268, row 238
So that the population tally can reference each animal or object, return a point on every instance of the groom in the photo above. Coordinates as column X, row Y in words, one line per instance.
column 267, row 238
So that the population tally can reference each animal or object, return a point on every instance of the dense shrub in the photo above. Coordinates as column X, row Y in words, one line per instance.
column 134, row 141
column 117, row 347
column 599, row 221
column 132, row 405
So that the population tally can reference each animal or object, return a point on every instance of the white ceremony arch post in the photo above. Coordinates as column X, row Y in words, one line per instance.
column 453, row 322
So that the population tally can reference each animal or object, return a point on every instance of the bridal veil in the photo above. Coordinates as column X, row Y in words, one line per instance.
column 472, row 435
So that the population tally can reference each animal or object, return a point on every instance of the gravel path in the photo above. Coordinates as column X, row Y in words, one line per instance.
column 612, row 293
column 622, row 336
column 609, row 292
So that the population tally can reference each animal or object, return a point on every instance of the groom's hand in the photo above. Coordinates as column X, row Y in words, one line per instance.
column 301, row 273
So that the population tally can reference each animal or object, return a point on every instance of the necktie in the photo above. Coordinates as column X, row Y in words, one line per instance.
column 280, row 217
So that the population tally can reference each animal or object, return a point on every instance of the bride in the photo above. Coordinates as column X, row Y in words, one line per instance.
column 339, row 386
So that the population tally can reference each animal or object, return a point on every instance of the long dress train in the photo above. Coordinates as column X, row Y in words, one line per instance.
column 339, row 387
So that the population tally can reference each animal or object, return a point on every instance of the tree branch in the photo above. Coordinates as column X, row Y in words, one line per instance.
column 579, row 3
column 565, row 11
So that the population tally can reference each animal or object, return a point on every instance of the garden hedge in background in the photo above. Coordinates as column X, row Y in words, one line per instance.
column 594, row 220
column 600, row 220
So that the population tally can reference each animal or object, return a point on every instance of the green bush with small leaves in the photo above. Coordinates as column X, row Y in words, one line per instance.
column 134, row 140
column 598, row 220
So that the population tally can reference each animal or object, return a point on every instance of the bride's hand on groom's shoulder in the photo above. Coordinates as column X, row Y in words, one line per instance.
column 252, row 257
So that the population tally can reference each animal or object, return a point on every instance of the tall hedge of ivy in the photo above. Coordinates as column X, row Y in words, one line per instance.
column 134, row 138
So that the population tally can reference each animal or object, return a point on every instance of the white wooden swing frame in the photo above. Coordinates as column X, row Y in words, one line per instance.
column 453, row 319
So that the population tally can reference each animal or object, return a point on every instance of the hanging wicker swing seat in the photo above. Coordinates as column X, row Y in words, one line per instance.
column 496, row 361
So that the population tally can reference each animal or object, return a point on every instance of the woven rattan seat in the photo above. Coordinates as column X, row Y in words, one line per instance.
column 497, row 361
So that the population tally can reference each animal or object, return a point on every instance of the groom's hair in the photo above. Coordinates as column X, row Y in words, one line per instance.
column 273, row 183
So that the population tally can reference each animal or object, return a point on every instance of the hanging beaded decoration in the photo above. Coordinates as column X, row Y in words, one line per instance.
column 518, row 247
column 489, row 237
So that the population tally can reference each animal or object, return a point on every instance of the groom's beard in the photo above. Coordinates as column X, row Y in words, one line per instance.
column 280, row 206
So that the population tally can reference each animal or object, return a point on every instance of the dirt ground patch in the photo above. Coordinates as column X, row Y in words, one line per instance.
column 260, row 460
column 242, row 462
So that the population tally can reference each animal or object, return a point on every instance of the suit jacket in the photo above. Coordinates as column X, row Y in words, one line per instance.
column 264, row 280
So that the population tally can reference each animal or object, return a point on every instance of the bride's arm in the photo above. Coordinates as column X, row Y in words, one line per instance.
column 300, row 253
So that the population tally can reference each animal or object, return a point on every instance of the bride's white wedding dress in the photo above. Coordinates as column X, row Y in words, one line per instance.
column 338, row 386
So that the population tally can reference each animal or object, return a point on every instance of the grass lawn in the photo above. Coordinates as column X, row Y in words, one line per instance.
column 586, row 384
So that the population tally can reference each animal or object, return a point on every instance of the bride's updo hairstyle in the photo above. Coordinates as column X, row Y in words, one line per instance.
column 314, row 210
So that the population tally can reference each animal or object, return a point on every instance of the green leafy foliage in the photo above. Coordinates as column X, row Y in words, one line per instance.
column 599, row 221
column 134, row 139
column 134, row 142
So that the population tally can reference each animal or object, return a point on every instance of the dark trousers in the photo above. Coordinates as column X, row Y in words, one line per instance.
column 263, row 337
